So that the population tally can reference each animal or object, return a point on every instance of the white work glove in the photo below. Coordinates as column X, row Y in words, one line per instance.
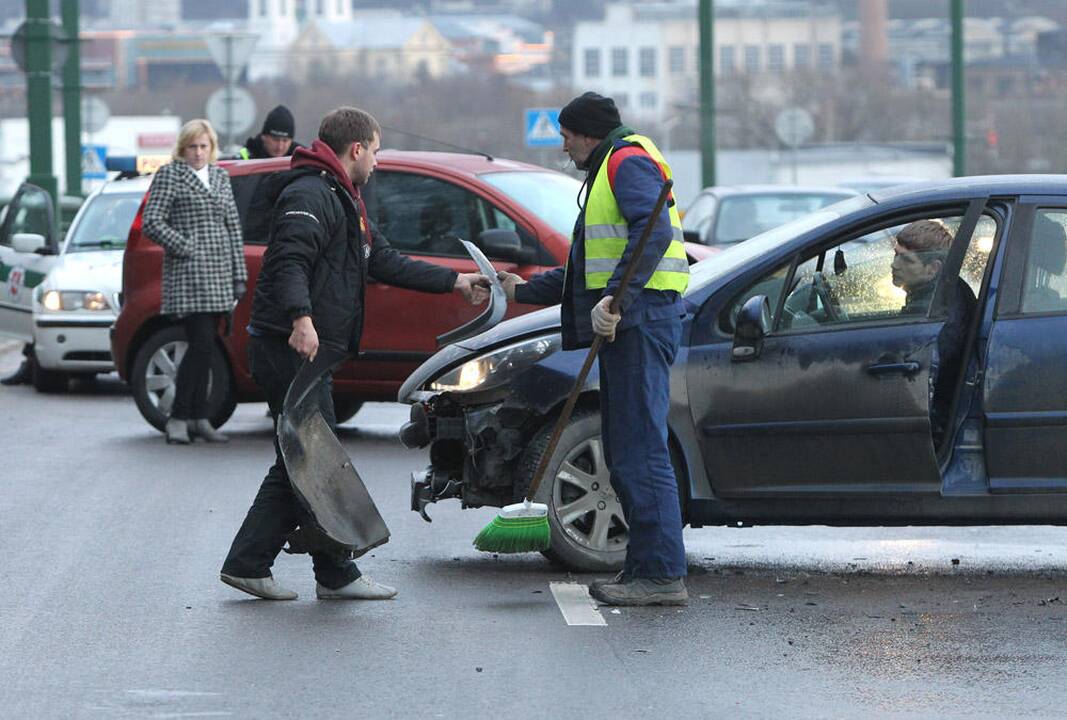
column 603, row 321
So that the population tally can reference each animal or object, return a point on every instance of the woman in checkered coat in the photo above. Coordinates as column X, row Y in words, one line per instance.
column 192, row 214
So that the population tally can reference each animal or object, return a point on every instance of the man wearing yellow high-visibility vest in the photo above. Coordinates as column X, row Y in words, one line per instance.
column 624, row 175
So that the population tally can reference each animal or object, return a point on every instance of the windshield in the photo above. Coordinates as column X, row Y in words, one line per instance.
column 740, row 254
column 744, row 216
column 551, row 196
column 105, row 223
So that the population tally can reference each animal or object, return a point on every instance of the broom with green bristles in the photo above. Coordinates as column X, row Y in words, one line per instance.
column 523, row 527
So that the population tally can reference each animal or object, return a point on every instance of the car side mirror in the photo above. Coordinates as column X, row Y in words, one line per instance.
column 504, row 244
column 692, row 236
column 753, row 324
column 28, row 242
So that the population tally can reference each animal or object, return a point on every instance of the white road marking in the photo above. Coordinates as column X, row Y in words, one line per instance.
column 171, row 693
column 575, row 604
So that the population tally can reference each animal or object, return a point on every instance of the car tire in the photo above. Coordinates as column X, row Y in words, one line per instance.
column 577, row 477
column 47, row 381
column 345, row 408
column 155, row 369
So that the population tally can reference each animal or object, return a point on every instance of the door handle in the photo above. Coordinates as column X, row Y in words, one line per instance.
column 884, row 368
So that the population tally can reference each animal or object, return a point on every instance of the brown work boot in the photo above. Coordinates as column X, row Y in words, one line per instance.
column 642, row 591
column 618, row 579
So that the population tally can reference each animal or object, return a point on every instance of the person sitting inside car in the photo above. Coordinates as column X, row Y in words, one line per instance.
column 919, row 255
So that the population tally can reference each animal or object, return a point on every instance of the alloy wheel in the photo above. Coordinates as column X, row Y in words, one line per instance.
column 585, row 503
column 161, row 375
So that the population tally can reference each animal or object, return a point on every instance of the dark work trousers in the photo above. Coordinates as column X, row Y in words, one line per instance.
column 634, row 399
column 276, row 511
column 190, row 392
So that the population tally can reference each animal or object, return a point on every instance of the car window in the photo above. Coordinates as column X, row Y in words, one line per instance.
column 30, row 214
column 698, row 214
column 491, row 217
column 105, row 222
column 741, row 217
column 1045, row 286
column 423, row 215
column 887, row 275
column 551, row 196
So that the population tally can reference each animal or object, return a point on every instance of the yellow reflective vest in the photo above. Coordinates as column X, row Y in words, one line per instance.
column 607, row 233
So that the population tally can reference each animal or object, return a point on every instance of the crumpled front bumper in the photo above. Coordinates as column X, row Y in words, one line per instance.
column 474, row 452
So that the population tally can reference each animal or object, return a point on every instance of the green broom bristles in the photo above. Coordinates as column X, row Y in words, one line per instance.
column 525, row 531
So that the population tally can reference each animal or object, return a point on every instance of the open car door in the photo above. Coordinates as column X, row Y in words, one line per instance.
column 29, row 245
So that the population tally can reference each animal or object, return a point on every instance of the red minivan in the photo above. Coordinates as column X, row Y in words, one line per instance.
column 423, row 202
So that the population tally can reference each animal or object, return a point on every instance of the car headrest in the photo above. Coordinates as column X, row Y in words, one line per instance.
column 1048, row 248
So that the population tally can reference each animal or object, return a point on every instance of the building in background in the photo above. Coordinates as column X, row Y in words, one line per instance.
column 919, row 48
column 145, row 13
column 278, row 23
column 386, row 46
column 647, row 56
column 499, row 44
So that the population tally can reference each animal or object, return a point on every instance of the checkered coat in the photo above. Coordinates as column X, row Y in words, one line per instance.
column 200, row 232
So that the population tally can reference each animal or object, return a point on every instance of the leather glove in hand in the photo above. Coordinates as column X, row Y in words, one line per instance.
column 509, row 281
column 603, row 321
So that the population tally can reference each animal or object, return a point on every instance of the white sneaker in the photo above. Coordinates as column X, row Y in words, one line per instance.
column 265, row 588
column 362, row 588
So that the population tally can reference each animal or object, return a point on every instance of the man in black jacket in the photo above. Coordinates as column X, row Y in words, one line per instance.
column 275, row 139
column 310, row 292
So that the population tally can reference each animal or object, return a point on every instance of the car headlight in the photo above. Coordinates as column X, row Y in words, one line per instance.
column 56, row 300
column 497, row 368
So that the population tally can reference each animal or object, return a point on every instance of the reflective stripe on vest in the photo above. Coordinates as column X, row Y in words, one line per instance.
column 607, row 234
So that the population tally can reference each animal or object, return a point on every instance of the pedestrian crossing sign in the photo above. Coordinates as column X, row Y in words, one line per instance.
column 542, row 127
column 93, row 162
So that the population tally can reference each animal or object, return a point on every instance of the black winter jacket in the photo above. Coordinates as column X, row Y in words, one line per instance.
column 318, row 259
column 254, row 149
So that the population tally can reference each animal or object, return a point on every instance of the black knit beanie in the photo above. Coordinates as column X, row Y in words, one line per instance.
column 279, row 123
column 590, row 114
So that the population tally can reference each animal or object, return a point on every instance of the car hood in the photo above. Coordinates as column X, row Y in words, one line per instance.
column 97, row 270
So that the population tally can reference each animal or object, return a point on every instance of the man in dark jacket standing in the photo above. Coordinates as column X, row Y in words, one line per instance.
column 275, row 139
column 310, row 292
column 625, row 173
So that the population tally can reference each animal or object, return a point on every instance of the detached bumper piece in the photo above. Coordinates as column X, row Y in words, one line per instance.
column 428, row 487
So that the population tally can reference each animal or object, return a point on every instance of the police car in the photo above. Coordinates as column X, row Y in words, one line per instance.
column 63, row 295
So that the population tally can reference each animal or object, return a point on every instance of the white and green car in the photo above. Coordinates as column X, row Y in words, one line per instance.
column 63, row 295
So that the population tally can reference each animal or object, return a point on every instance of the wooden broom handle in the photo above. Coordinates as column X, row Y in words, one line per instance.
column 598, row 340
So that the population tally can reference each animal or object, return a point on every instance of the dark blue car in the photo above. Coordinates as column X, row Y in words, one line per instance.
column 828, row 375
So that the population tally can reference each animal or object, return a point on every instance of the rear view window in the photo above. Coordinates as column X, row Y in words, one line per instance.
column 1045, row 286
column 745, row 216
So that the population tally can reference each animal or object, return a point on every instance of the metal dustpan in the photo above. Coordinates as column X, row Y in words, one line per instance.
column 344, row 516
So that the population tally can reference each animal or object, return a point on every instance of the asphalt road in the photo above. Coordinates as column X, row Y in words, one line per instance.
column 110, row 544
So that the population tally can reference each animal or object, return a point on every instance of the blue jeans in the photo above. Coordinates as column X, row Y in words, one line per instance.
column 634, row 399
column 276, row 511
